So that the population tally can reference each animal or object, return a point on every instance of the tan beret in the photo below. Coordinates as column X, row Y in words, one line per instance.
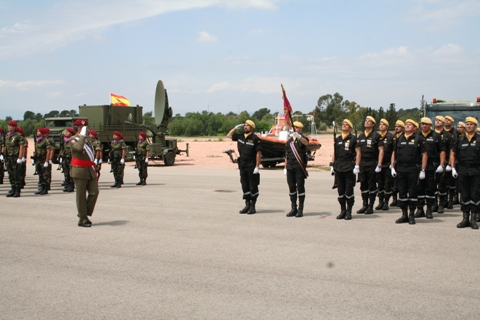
column 250, row 123
column 471, row 119
column 440, row 118
column 349, row 123
column 298, row 124
column 385, row 122
column 400, row 123
column 450, row 118
column 371, row 119
column 412, row 122
column 426, row 120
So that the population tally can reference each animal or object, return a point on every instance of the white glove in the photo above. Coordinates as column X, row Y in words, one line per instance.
column 122, row 161
column 19, row 160
column 239, row 126
column 45, row 165
column 100, row 161
column 109, row 161
column 1, row 157
column 146, row 160
column 421, row 176
column 60, row 160
column 448, row 168
column 83, row 132
column 378, row 169
column 356, row 170
column 24, row 160
column 134, row 157
column 255, row 171
column 439, row 169
column 96, row 162
column 454, row 173
column 332, row 171
column 296, row 135
column 33, row 162
column 393, row 172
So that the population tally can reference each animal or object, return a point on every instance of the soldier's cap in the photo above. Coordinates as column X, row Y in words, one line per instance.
column 1, row 129
column 12, row 123
column 371, row 119
column 118, row 134
column 441, row 118
column 43, row 130
column 80, row 123
column 71, row 130
column 412, row 122
column 384, row 121
column 426, row 120
column 143, row 134
column 348, row 122
column 471, row 119
column 449, row 118
column 461, row 124
column 298, row 124
column 94, row 133
column 250, row 123
column 400, row 123
column 19, row 129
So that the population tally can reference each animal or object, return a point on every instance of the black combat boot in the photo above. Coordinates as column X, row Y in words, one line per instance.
column 365, row 205
column 64, row 183
column 394, row 202
column 71, row 187
column 301, row 200
column 411, row 216
column 42, row 187
column 435, row 205
column 119, row 183
column 380, row 203
column 343, row 208
column 473, row 220
column 252, row 210
column 441, row 203
column 350, row 203
column 370, row 206
column 45, row 189
column 293, row 212
column 17, row 192
column 404, row 217
column 451, row 198
column 428, row 213
column 419, row 213
column 140, row 182
column 385, row 203
column 247, row 206
column 11, row 192
column 464, row 223
column 144, row 182
column 115, row 184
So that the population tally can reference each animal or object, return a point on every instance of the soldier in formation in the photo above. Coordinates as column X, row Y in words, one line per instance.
column 345, row 166
column 384, row 177
column 399, row 128
column 116, row 158
column 43, row 151
column 142, row 153
column 250, row 151
column 13, row 151
column 24, row 153
column 98, row 149
column 296, row 168
column 66, row 159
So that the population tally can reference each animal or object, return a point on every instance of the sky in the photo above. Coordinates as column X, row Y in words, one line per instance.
column 233, row 55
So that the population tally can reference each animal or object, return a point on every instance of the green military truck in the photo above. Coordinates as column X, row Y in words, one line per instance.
column 458, row 110
column 105, row 119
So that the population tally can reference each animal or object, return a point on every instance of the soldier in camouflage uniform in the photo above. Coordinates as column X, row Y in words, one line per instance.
column 98, row 149
column 2, row 158
column 142, row 153
column 24, row 152
column 14, row 153
column 42, row 151
column 116, row 158
column 50, row 153
column 66, row 160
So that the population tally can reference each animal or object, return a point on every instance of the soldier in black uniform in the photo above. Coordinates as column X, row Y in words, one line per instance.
column 467, row 153
column 461, row 129
column 370, row 164
column 427, row 187
column 250, row 151
column 296, row 168
column 444, row 178
column 345, row 166
column 452, row 187
column 409, row 152
column 399, row 127
column 384, row 177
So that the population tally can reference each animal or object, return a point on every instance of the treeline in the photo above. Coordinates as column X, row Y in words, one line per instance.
column 329, row 108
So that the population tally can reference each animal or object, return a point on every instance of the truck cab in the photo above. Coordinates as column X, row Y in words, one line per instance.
column 459, row 110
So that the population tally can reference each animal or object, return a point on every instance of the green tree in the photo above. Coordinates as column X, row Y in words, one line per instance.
column 52, row 114
column 259, row 114
column 148, row 118
column 28, row 115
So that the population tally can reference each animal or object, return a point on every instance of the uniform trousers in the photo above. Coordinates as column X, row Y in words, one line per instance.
column 86, row 203
column 427, row 189
column 407, row 189
column 469, row 188
column 249, row 182
column 14, row 171
column 296, row 182
column 368, row 182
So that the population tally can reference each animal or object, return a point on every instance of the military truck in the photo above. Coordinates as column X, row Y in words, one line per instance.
column 105, row 119
column 459, row 110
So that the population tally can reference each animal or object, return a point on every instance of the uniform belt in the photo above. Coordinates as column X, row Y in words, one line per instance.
column 81, row 163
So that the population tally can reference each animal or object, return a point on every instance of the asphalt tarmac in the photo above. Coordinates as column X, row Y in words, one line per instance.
column 178, row 249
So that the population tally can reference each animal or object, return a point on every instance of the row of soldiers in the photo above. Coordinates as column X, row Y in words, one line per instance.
column 14, row 149
column 420, row 163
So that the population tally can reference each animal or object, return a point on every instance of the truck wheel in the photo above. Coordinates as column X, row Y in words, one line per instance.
column 169, row 158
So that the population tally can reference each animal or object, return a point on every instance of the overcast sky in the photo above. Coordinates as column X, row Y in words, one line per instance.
column 232, row 55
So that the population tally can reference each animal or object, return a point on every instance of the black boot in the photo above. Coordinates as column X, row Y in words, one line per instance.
column 247, row 206
column 301, row 200
column 45, row 189
column 411, row 217
column 380, row 203
column 119, row 183
column 465, row 223
column 71, row 187
column 115, row 184
column 370, row 206
column 365, row 205
column 348, row 214
column 441, row 203
column 293, row 212
column 41, row 189
column 11, row 192
column 252, row 210
column 451, row 198
column 394, row 202
column 419, row 213
column 17, row 192
column 343, row 208
column 473, row 220
column 435, row 205
column 428, row 213
column 140, row 182
column 385, row 203
column 404, row 217
column 144, row 182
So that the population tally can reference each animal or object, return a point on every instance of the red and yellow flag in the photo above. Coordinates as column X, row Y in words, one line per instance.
column 287, row 108
column 119, row 100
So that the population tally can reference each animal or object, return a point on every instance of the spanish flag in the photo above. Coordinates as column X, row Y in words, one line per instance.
column 119, row 100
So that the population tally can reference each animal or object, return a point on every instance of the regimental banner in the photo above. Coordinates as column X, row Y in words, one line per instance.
column 287, row 108
column 120, row 101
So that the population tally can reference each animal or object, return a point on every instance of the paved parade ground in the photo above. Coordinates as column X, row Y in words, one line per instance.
column 178, row 249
